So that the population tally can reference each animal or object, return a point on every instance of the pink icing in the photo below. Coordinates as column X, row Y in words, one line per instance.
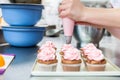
column 48, row 44
column 89, row 46
column 65, row 47
column 96, row 54
column 46, row 54
column 72, row 54
column 88, row 51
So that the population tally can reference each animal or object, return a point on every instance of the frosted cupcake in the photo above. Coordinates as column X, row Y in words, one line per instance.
column 95, row 61
column 47, row 44
column 65, row 47
column 87, row 49
column 46, row 58
column 71, row 60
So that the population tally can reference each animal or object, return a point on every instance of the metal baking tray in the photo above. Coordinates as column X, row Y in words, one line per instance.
column 110, row 70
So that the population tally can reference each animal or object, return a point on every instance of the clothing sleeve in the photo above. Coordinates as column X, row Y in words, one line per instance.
column 115, row 3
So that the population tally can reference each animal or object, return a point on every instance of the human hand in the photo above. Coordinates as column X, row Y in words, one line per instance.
column 73, row 9
column 76, row 11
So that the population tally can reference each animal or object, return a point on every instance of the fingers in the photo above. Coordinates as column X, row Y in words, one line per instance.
column 64, row 5
column 65, row 1
column 64, row 13
column 64, row 8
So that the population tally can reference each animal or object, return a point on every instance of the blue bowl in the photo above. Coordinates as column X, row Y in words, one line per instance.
column 23, row 36
column 21, row 14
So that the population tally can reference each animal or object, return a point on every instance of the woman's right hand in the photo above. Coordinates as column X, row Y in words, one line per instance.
column 73, row 9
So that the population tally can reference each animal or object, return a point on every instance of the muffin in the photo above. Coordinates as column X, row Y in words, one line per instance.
column 95, row 61
column 71, row 60
column 2, row 61
column 47, row 59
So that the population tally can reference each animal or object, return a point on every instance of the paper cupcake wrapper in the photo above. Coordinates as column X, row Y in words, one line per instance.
column 49, row 67
column 95, row 67
column 71, row 67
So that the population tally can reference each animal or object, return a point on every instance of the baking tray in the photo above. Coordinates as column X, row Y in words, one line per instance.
column 110, row 70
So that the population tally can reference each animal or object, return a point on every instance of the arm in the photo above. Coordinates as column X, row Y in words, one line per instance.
column 114, row 31
column 101, row 16
column 98, row 17
column 75, row 10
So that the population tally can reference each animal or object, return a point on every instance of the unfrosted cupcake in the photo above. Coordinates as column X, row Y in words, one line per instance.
column 47, row 59
column 95, row 61
column 71, row 60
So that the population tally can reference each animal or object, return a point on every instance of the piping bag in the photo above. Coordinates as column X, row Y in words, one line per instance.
column 68, row 27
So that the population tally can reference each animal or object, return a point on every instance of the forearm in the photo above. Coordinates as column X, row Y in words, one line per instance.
column 102, row 16
column 114, row 31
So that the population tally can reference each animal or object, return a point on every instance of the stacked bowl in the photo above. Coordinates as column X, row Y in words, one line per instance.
column 22, row 18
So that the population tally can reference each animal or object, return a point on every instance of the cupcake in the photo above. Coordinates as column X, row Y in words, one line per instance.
column 95, row 61
column 47, row 59
column 65, row 47
column 86, row 50
column 71, row 60
column 2, row 61
column 47, row 44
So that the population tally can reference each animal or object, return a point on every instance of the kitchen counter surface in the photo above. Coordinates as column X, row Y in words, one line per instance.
column 20, row 68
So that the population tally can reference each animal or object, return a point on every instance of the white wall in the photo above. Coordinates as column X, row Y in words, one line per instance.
column 4, row 1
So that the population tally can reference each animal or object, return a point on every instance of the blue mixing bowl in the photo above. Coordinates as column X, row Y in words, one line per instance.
column 21, row 14
column 23, row 36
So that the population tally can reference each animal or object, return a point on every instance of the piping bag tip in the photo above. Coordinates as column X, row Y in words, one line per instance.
column 68, row 26
column 68, row 39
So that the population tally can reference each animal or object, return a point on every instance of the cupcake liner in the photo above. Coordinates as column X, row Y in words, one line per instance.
column 95, row 67
column 47, row 67
column 71, row 67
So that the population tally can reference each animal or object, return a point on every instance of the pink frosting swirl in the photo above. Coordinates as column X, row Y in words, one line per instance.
column 89, row 46
column 48, row 44
column 65, row 47
column 88, row 51
column 72, row 54
column 96, row 55
column 46, row 54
